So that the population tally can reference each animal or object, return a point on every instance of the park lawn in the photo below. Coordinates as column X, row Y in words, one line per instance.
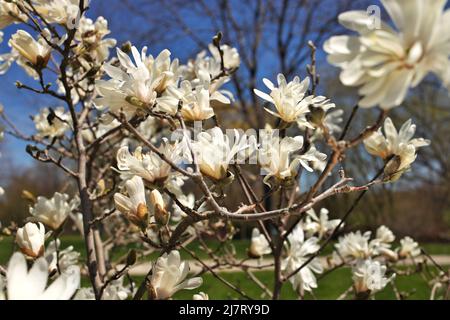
column 329, row 287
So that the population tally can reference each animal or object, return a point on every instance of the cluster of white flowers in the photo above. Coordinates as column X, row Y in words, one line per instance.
column 397, row 148
column 369, row 258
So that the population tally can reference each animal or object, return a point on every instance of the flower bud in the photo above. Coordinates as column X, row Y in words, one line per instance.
column 30, row 239
column 161, row 214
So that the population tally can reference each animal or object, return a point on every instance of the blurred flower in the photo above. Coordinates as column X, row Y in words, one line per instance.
column 53, row 212
column 398, row 148
column 10, row 13
column 51, row 123
column 135, row 205
column 168, row 276
column 383, row 240
column 148, row 166
column 276, row 157
column 35, row 52
column 114, row 291
column 30, row 285
column 60, row 11
column 369, row 277
column 200, row 296
column 31, row 239
column 299, row 251
column 408, row 248
column 355, row 245
column 135, row 86
column 319, row 225
column 383, row 62
column 65, row 259
column 259, row 245
column 216, row 151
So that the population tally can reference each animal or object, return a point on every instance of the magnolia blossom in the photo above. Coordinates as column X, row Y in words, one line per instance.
column 35, row 52
column 291, row 101
column 60, row 11
column 161, row 215
column 169, row 274
column 216, row 151
column 136, row 85
column 53, row 212
column 369, row 277
column 31, row 285
column 277, row 159
column 31, row 239
column 195, row 102
column 10, row 13
column 408, row 248
column 211, row 64
column 148, row 166
column 385, row 62
column 114, row 291
column 299, row 251
column 259, row 245
column 135, row 205
column 398, row 147
column 355, row 245
column 51, row 123
column 58, row 259
column 319, row 225
column 384, row 238
column 200, row 296
column 90, row 134
column 91, row 35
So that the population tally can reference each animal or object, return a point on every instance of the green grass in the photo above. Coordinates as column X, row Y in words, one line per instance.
column 329, row 288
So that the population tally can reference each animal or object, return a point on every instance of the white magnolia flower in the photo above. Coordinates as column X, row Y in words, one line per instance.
column 53, row 212
column 399, row 145
column 77, row 219
column 65, row 259
column 135, row 205
column 355, row 245
column 186, row 200
column 31, row 285
column 91, row 35
column 291, row 101
column 149, row 166
column 200, row 296
column 136, row 85
column 51, row 124
column 385, row 62
column 211, row 64
column 409, row 248
column 319, row 225
column 31, row 239
column 276, row 156
column 216, row 151
column 369, row 277
column 196, row 102
column 259, row 245
column 299, row 251
column 385, row 235
column 114, row 291
column 35, row 52
column 169, row 274
column 10, row 13
column 384, row 238
column 60, row 11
